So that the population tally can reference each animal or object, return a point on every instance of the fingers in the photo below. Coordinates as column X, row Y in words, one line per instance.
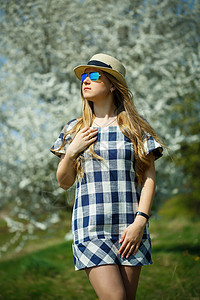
column 87, row 136
column 88, row 128
column 122, row 237
column 132, row 250
column 90, row 141
column 84, row 129
column 124, row 249
column 91, row 135
column 136, row 248
column 123, row 242
column 83, row 139
column 88, row 131
column 128, row 248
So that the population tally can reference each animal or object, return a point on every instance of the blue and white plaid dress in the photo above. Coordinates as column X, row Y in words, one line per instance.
column 106, row 199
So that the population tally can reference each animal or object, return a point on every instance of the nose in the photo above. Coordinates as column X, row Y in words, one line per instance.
column 87, row 79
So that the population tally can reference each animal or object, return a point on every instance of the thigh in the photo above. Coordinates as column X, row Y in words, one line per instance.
column 107, row 282
column 130, row 276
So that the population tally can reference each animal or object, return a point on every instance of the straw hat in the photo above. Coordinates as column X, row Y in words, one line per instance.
column 105, row 63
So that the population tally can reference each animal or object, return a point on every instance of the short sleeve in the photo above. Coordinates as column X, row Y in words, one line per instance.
column 68, row 139
column 150, row 144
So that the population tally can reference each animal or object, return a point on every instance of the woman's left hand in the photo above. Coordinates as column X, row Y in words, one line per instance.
column 132, row 237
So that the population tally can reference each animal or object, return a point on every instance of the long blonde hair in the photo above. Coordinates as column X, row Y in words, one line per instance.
column 130, row 123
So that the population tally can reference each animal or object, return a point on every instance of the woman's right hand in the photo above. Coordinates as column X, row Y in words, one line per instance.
column 83, row 139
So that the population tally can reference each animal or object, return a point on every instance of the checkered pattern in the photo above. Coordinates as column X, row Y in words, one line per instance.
column 107, row 200
column 68, row 139
column 105, row 251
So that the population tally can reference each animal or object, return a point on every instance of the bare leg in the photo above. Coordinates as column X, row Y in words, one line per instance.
column 107, row 282
column 130, row 276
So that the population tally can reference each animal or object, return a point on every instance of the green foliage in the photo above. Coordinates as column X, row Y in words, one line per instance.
column 186, row 111
column 187, row 157
column 181, row 206
column 42, row 238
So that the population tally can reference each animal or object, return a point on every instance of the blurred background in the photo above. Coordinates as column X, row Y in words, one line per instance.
column 41, row 42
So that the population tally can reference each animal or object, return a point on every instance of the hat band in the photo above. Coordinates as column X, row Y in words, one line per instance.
column 99, row 64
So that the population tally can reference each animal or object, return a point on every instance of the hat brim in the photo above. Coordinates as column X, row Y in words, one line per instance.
column 79, row 70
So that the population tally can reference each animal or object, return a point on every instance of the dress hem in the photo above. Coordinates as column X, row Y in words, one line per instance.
column 104, row 264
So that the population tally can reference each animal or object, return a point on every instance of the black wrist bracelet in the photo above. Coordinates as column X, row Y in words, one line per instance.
column 142, row 214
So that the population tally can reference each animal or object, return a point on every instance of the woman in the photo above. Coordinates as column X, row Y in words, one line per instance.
column 110, row 150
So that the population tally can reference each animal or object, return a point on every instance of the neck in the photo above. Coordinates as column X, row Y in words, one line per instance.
column 105, row 108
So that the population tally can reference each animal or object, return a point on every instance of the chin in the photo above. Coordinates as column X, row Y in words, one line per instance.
column 89, row 98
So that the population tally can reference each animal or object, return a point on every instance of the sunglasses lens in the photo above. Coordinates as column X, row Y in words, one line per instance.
column 83, row 77
column 94, row 76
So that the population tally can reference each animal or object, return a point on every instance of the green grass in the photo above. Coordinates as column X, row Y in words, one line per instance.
column 176, row 270
column 49, row 273
column 44, row 274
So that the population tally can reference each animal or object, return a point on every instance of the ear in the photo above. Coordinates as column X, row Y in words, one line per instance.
column 112, row 89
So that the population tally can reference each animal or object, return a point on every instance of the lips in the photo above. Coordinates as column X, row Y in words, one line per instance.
column 86, row 88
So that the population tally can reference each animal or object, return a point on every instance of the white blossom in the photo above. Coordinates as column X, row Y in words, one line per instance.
column 41, row 43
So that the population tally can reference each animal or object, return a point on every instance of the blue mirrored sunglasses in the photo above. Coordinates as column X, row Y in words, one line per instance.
column 94, row 76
